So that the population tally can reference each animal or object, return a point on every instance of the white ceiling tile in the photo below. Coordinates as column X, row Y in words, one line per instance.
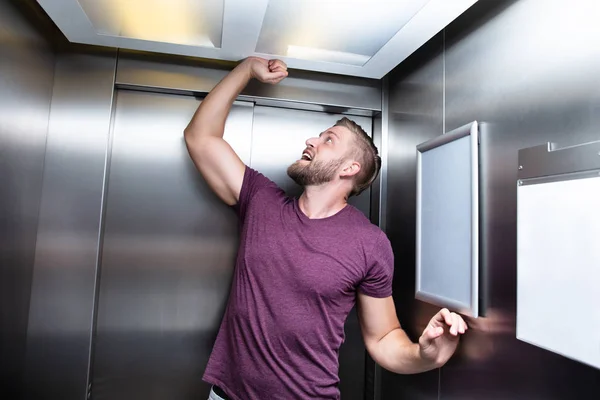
column 189, row 22
column 350, row 37
column 339, row 31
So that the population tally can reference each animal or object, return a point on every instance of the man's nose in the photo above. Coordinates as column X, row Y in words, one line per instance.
column 312, row 142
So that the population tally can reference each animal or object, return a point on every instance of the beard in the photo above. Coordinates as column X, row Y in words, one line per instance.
column 315, row 172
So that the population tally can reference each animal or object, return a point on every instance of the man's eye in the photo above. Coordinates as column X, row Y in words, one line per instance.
column 328, row 140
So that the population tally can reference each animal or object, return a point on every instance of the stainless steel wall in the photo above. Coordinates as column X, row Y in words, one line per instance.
column 415, row 116
column 168, row 252
column 169, row 245
column 527, row 70
column 64, row 294
column 26, row 75
column 302, row 89
column 63, row 291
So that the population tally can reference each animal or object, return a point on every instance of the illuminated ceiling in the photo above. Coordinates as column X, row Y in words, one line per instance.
column 364, row 38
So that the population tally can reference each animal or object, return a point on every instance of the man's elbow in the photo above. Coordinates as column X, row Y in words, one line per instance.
column 188, row 135
column 193, row 139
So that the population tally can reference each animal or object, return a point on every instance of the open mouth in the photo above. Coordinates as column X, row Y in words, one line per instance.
column 306, row 156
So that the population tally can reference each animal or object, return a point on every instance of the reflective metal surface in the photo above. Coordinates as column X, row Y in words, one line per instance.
column 378, row 190
column 26, row 76
column 68, row 245
column 278, row 139
column 506, row 65
column 168, row 253
column 547, row 159
column 301, row 87
column 415, row 116
column 62, row 294
column 381, row 125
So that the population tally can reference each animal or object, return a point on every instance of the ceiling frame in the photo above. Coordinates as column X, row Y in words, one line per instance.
column 242, row 23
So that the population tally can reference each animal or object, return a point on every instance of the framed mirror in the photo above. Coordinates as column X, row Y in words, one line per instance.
column 447, row 251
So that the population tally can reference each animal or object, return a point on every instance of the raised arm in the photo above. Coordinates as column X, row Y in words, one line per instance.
column 215, row 159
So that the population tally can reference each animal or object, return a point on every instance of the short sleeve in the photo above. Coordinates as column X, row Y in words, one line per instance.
column 380, row 273
column 253, row 183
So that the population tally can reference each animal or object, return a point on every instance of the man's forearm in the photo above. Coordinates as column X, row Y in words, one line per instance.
column 397, row 353
column 209, row 119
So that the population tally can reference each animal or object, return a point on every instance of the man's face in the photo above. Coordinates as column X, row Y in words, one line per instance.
column 324, row 158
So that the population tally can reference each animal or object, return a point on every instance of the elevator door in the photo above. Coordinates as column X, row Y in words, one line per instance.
column 169, row 246
column 168, row 253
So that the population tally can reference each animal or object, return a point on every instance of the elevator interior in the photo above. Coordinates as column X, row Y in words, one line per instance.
column 169, row 244
column 116, row 258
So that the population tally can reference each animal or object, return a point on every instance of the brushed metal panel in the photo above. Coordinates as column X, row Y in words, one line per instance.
column 502, row 67
column 62, row 298
column 378, row 217
column 301, row 87
column 547, row 159
column 507, row 65
column 415, row 116
column 378, row 211
column 26, row 76
column 168, row 253
column 279, row 137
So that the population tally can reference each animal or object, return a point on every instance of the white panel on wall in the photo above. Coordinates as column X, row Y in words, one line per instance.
column 558, row 277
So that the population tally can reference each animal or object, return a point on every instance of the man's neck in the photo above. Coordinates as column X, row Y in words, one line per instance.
column 322, row 201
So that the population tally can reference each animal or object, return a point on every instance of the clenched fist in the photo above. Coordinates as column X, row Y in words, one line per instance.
column 267, row 71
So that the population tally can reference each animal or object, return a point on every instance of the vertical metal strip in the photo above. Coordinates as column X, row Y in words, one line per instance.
column 475, row 218
column 102, row 214
column 62, row 296
column 439, row 393
column 443, row 132
column 444, row 81
column 382, row 212
column 383, row 175
column 418, row 228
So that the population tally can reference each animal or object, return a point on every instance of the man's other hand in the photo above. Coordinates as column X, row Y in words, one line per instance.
column 440, row 339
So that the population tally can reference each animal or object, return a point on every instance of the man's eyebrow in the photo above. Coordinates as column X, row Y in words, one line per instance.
column 331, row 132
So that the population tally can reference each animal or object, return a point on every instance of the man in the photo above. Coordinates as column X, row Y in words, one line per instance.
column 303, row 263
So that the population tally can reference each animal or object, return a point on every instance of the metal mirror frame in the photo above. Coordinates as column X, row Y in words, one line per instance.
column 472, row 130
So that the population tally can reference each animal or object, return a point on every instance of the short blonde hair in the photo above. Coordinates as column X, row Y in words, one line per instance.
column 366, row 154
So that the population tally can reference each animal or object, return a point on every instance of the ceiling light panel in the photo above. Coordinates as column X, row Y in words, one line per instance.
column 365, row 38
column 186, row 22
column 337, row 31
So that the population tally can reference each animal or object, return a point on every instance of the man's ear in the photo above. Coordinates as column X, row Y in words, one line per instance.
column 350, row 169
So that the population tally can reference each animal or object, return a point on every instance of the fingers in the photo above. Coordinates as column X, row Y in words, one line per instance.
column 277, row 71
column 277, row 66
column 276, row 77
column 446, row 316
column 267, row 71
column 431, row 333
column 455, row 321
column 463, row 325
column 455, row 324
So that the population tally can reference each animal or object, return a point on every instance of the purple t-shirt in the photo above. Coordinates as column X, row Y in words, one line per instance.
column 295, row 282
